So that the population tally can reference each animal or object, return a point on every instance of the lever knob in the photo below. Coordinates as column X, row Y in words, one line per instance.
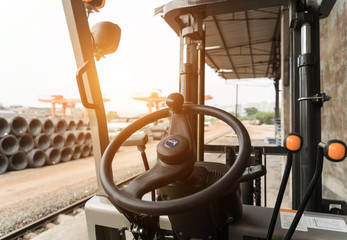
column 335, row 150
column 175, row 102
column 293, row 142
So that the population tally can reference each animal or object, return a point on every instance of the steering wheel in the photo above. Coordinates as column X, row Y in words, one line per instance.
column 176, row 158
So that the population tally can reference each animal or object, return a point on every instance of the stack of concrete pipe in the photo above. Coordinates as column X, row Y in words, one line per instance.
column 35, row 142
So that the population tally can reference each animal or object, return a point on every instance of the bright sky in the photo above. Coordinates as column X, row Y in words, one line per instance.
column 37, row 59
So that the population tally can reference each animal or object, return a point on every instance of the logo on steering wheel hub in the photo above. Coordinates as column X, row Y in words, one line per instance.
column 172, row 142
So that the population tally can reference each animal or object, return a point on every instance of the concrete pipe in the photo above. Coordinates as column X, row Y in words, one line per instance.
column 18, row 124
column 60, row 125
column 79, row 137
column 26, row 142
column 42, row 141
column 87, row 137
column 18, row 161
column 76, row 152
column 36, row 158
column 79, row 125
column 66, row 154
column 70, row 138
column 34, row 126
column 3, row 163
column 53, row 156
column 71, row 125
column 9, row 145
column 47, row 126
column 57, row 140
column 4, row 127
column 91, row 149
column 85, row 150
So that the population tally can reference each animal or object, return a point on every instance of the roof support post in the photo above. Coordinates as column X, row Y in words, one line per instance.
column 285, row 55
column 294, row 92
column 78, row 26
column 192, row 72
column 277, row 120
column 201, row 96
column 310, row 114
column 277, row 98
column 305, row 24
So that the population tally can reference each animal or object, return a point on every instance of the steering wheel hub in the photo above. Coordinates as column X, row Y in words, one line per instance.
column 173, row 149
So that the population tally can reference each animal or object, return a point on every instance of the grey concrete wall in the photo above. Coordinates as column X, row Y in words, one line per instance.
column 333, row 38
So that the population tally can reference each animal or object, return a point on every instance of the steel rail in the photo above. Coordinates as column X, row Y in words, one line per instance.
column 19, row 233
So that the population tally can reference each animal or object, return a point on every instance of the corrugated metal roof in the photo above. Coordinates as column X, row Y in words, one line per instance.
column 239, row 44
column 250, row 37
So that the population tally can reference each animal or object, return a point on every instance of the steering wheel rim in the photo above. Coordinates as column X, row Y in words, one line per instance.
column 183, row 204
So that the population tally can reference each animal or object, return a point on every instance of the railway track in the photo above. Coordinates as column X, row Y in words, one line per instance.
column 40, row 223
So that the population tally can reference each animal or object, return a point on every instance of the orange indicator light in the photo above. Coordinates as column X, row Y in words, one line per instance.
column 96, row 3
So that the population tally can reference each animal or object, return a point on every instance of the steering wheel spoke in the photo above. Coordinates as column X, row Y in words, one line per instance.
column 158, row 176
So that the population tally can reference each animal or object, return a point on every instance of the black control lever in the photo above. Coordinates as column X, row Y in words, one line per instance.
column 333, row 150
column 179, row 124
column 140, row 140
column 252, row 173
column 292, row 143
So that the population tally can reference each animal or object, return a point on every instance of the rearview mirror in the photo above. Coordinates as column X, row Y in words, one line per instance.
column 106, row 38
